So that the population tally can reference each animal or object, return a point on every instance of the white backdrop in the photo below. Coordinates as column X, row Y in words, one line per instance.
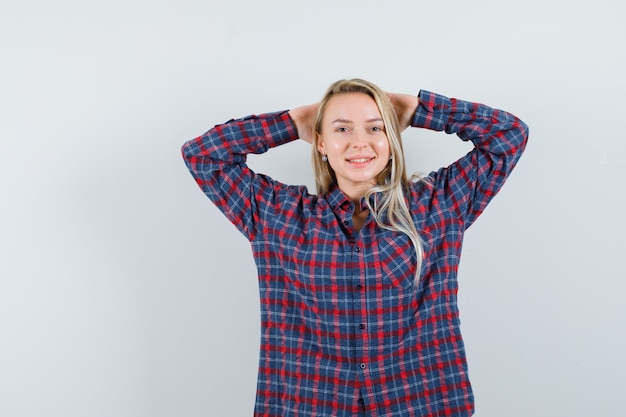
column 123, row 291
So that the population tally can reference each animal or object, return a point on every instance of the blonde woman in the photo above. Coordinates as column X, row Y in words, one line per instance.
column 358, row 282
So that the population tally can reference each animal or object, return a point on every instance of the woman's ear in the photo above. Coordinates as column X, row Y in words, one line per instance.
column 320, row 143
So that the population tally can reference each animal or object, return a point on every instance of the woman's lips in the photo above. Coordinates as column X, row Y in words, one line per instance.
column 360, row 161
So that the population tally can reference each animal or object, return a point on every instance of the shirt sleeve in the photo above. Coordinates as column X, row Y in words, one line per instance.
column 217, row 161
column 499, row 139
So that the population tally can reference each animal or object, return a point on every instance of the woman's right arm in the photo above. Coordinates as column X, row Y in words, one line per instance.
column 217, row 161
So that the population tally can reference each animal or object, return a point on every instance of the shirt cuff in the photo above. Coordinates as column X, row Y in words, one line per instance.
column 282, row 127
column 274, row 128
column 433, row 111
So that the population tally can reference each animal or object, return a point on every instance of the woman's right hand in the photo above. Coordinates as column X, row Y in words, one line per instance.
column 304, row 117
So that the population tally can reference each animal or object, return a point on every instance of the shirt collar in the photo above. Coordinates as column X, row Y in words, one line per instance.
column 339, row 200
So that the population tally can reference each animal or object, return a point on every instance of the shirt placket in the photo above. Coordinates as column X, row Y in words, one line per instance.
column 359, row 253
column 359, row 315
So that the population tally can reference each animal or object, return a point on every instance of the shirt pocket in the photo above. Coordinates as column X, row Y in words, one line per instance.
column 396, row 260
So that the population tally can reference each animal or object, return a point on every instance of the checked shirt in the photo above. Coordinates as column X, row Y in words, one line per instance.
column 345, row 327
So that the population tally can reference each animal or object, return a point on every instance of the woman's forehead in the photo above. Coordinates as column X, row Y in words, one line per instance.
column 351, row 107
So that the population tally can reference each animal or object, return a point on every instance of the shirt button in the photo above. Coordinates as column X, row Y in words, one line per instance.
column 362, row 366
column 359, row 287
column 357, row 249
column 361, row 326
column 361, row 401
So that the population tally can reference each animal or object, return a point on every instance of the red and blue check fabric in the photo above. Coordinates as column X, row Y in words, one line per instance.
column 345, row 327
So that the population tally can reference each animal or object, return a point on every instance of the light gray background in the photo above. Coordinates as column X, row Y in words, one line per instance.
column 123, row 291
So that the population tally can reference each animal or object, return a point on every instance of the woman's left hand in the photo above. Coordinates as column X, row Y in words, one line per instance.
column 405, row 106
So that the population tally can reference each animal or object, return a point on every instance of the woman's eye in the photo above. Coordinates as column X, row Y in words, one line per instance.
column 342, row 129
column 377, row 129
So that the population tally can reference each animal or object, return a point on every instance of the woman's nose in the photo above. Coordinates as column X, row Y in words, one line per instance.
column 359, row 139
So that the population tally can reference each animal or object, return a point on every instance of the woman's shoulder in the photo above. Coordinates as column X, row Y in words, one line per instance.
column 289, row 195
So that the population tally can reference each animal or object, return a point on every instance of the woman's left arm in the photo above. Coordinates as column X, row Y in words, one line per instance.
column 499, row 139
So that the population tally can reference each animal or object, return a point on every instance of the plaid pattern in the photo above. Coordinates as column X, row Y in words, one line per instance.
column 345, row 328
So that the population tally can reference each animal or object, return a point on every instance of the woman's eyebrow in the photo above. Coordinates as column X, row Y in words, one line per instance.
column 341, row 121
column 376, row 119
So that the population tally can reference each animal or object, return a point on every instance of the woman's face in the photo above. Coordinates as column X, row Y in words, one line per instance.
column 353, row 138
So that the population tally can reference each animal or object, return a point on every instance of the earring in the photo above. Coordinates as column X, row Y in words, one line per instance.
column 324, row 158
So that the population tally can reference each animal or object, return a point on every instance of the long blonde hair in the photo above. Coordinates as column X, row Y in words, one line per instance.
column 388, row 205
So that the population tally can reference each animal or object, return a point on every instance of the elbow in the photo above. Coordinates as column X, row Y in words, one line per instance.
column 521, row 131
column 524, row 130
column 189, row 150
column 185, row 151
column 520, row 139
